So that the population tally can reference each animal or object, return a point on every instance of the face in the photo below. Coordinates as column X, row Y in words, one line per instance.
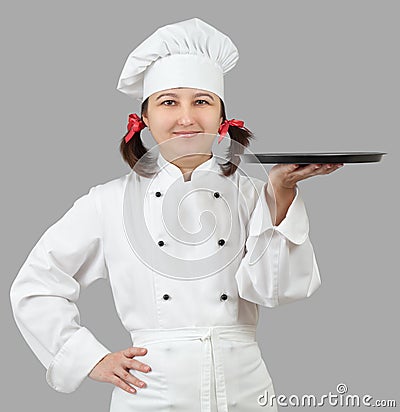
column 182, row 112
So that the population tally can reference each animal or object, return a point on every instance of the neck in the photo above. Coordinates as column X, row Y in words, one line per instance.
column 187, row 164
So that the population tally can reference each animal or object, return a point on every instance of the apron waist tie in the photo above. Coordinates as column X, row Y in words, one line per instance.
column 212, row 356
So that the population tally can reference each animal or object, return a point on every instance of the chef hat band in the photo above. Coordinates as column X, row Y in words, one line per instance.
column 183, row 70
column 189, row 53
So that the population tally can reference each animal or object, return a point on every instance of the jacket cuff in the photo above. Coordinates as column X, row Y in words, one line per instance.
column 295, row 225
column 74, row 361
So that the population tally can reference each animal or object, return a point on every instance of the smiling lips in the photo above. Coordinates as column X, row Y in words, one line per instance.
column 186, row 133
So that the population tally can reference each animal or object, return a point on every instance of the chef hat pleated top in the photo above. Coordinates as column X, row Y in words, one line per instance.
column 189, row 53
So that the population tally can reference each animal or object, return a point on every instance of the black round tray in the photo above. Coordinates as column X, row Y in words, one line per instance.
column 308, row 158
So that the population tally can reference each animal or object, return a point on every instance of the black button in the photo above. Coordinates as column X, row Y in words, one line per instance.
column 224, row 296
column 216, row 194
column 158, row 194
column 166, row 297
column 160, row 243
column 221, row 242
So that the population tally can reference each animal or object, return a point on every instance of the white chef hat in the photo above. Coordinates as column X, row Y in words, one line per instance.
column 189, row 53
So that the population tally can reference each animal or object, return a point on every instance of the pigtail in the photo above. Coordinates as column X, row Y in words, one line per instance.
column 135, row 150
column 240, row 139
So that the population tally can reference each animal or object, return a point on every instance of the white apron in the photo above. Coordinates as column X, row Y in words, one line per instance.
column 204, row 369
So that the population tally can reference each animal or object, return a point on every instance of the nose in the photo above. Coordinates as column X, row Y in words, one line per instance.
column 185, row 116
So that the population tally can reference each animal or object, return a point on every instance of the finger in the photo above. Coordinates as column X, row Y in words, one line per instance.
column 139, row 366
column 127, row 377
column 333, row 168
column 329, row 168
column 314, row 170
column 293, row 167
column 322, row 168
column 117, row 381
column 305, row 166
column 134, row 351
column 307, row 171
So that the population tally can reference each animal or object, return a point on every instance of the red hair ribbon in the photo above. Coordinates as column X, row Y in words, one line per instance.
column 223, row 129
column 135, row 124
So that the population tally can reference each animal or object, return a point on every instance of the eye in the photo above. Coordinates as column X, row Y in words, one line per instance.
column 168, row 102
column 203, row 102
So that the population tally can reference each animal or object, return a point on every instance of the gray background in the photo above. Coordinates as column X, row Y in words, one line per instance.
column 312, row 76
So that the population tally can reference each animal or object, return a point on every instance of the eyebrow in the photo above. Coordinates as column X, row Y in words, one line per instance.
column 175, row 95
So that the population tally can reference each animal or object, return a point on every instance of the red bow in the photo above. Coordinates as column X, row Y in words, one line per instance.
column 135, row 124
column 223, row 129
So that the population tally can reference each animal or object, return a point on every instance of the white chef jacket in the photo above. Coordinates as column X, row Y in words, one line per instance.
column 198, row 326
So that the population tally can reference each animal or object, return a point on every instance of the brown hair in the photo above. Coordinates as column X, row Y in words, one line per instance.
column 134, row 149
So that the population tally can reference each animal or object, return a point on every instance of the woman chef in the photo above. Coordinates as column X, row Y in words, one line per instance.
column 190, row 250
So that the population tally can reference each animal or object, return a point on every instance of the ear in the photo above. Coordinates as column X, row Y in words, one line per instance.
column 145, row 120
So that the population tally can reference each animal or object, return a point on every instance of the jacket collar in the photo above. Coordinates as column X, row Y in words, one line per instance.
column 170, row 169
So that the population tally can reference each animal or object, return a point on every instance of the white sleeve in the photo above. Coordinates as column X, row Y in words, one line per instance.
column 68, row 257
column 279, row 265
